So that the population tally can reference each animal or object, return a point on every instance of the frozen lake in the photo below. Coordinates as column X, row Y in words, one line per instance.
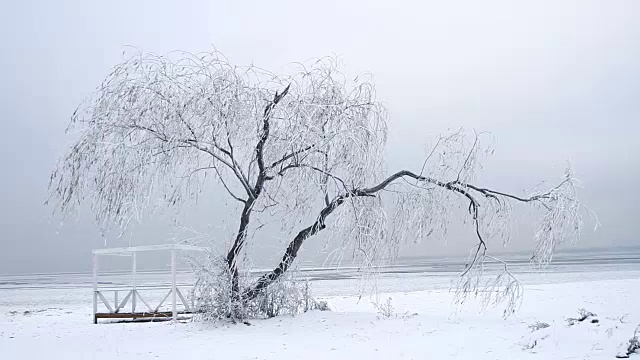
column 408, row 274
column 48, row 316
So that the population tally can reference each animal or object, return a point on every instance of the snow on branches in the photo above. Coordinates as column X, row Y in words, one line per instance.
column 305, row 149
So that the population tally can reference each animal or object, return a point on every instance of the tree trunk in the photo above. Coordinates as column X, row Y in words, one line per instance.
column 232, row 256
column 292, row 250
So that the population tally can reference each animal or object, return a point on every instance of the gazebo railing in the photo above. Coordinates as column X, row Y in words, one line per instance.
column 133, row 293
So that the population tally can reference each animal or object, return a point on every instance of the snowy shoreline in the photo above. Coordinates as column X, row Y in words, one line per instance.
column 55, row 323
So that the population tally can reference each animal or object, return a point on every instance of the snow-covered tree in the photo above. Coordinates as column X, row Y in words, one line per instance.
column 304, row 149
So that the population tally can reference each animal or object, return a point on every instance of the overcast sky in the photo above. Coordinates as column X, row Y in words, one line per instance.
column 553, row 80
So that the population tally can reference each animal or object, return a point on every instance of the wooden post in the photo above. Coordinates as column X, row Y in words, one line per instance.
column 133, row 294
column 193, row 299
column 95, row 288
column 174, row 310
column 115, row 300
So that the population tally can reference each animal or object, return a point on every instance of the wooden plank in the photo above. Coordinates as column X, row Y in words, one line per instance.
column 124, row 301
column 133, row 283
column 173, row 285
column 95, row 288
column 141, row 299
column 163, row 300
column 104, row 301
column 136, row 315
column 186, row 305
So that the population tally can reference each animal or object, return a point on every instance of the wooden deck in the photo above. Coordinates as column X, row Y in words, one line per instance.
column 138, row 315
column 133, row 294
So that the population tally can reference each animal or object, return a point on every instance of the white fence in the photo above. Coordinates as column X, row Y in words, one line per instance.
column 133, row 293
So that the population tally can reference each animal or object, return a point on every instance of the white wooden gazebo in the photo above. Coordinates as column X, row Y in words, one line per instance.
column 133, row 293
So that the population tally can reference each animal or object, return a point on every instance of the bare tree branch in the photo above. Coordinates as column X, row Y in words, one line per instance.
column 457, row 187
column 289, row 156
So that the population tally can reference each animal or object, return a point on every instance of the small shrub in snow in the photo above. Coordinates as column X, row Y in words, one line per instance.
column 386, row 309
column 408, row 315
column 530, row 345
column 632, row 347
column 584, row 315
column 538, row 325
column 212, row 291
column 535, row 338
column 320, row 305
column 289, row 295
column 215, row 301
column 533, row 343
column 615, row 319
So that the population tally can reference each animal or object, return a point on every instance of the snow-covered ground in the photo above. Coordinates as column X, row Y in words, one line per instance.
column 40, row 322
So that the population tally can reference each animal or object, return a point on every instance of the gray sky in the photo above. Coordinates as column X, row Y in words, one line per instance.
column 552, row 80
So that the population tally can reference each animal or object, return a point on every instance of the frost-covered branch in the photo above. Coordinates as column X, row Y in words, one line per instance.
column 455, row 186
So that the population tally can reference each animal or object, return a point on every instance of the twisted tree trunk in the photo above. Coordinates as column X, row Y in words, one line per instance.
column 253, row 193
